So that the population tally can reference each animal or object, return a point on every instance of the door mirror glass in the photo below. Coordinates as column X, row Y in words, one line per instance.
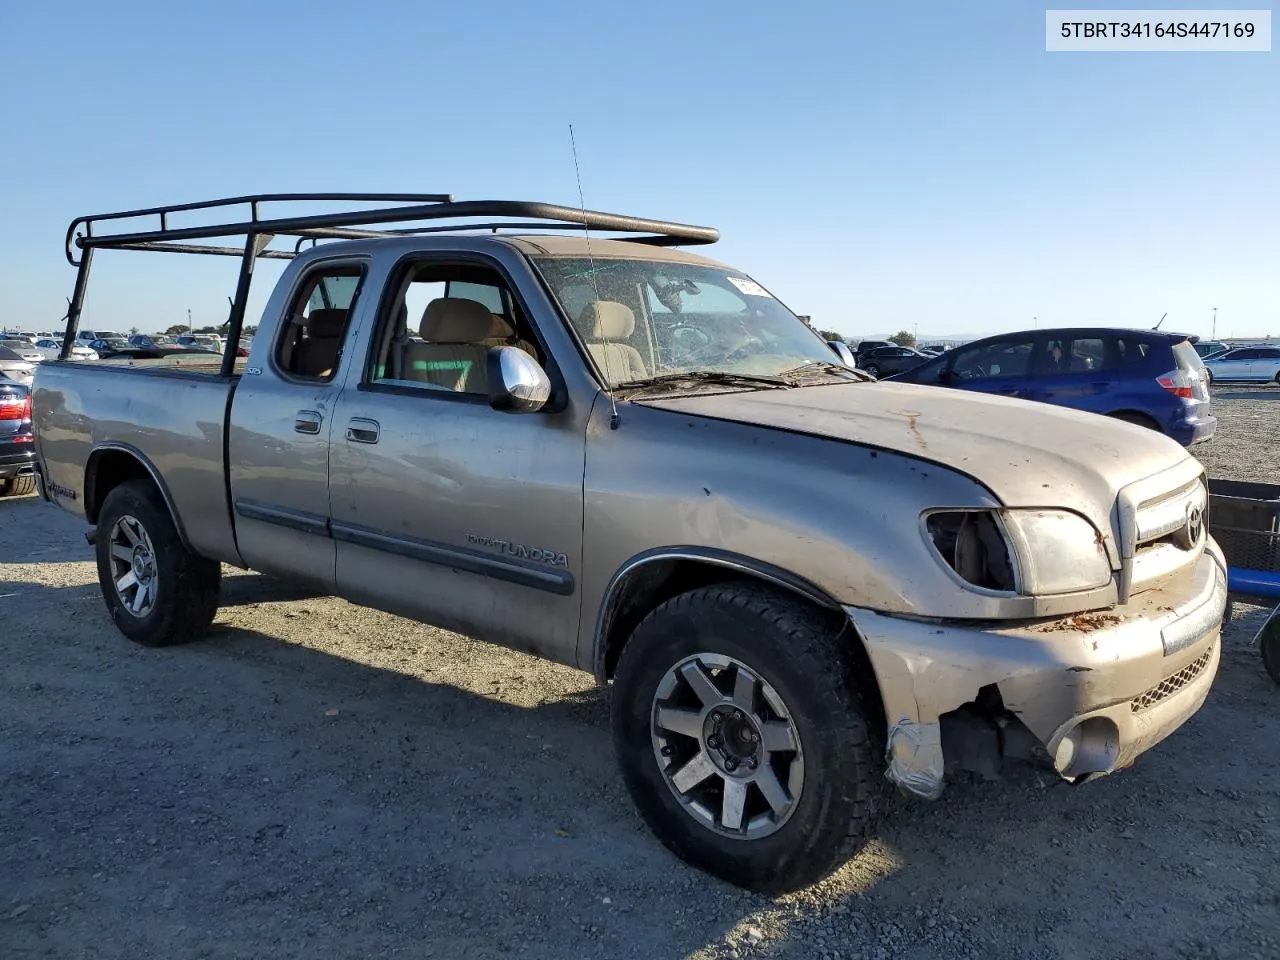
column 843, row 352
column 517, row 382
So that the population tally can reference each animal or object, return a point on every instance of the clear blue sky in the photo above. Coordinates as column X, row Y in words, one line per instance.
column 878, row 166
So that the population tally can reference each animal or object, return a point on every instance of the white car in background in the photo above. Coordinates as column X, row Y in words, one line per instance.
column 86, row 337
column 50, row 347
column 14, row 367
column 24, row 348
column 1245, row 365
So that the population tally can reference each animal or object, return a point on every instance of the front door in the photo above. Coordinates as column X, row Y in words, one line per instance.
column 282, row 422
column 444, row 509
column 1236, row 365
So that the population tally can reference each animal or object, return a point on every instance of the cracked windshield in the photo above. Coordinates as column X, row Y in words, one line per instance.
column 643, row 319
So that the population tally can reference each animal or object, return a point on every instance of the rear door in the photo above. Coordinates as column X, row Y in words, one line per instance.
column 1267, row 366
column 281, row 423
column 995, row 366
column 1074, row 371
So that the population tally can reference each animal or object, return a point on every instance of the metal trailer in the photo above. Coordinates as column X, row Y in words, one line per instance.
column 1244, row 517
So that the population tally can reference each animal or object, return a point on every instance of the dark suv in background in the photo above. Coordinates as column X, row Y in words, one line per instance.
column 888, row 360
column 1147, row 377
column 17, row 449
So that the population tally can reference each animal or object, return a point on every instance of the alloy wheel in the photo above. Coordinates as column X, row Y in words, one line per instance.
column 727, row 746
column 133, row 566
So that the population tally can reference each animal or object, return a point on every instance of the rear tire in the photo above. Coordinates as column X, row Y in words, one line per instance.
column 815, row 775
column 1138, row 420
column 157, row 591
column 1269, row 647
column 18, row 486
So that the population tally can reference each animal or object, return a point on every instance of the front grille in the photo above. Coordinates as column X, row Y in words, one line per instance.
column 1170, row 685
column 1165, row 518
column 1169, row 533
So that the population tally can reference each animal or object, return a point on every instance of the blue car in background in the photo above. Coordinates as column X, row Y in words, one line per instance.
column 1146, row 377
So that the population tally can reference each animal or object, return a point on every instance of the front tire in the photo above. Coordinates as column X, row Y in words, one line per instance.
column 743, row 739
column 157, row 591
column 873, row 369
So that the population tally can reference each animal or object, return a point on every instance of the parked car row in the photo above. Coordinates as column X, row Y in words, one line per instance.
column 24, row 349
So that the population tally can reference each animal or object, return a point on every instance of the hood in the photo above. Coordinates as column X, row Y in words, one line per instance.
column 1027, row 454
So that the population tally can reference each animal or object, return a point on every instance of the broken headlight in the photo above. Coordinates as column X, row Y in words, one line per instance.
column 1031, row 552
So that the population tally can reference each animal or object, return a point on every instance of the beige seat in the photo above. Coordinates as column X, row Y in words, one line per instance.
column 503, row 334
column 454, row 353
column 608, row 324
column 317, row 355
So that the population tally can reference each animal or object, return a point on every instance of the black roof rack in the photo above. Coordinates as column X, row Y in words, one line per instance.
column 357, row 224
column 259, row 231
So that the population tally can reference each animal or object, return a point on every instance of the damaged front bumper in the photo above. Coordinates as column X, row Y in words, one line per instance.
column 1094, row 690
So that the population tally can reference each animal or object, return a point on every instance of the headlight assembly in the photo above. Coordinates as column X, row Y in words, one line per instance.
column 1029, row 552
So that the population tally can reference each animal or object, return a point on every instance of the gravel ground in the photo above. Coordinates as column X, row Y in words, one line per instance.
column 321, row 780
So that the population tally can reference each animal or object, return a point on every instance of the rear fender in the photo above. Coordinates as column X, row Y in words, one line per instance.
column 104, row 471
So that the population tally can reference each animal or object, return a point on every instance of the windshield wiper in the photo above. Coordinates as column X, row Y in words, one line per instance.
column 825, row 367
column 697, row 377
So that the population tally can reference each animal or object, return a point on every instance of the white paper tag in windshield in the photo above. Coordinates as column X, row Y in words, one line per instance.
column 749, row 287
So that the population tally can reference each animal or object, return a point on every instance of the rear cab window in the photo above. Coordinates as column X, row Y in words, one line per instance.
column 310, row 340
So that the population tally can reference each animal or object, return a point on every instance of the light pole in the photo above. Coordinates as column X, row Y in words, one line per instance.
column 1214, row 334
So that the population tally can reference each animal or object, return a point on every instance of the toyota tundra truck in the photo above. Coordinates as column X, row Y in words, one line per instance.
column 559, row 430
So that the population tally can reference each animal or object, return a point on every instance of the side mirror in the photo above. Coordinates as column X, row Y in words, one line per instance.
column 517, row 383
column 843, row 352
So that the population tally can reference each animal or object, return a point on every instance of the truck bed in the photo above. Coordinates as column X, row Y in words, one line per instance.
column 171, row 414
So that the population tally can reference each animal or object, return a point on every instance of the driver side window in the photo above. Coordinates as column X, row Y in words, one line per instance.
column 436, row 331
column 1008, row 358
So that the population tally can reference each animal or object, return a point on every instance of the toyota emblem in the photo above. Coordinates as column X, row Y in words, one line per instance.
column 1192, row 532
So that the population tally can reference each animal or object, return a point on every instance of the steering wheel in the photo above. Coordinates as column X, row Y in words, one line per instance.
column 750, row 347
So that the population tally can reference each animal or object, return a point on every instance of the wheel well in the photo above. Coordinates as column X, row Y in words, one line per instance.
column 1136, row 417
column 657, row 581
column 106, row 470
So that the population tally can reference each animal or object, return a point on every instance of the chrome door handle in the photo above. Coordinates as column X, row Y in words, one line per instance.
column 307, row 421
column 360, row 430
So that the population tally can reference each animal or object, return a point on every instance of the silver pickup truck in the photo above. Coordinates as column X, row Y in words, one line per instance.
column 801, row 583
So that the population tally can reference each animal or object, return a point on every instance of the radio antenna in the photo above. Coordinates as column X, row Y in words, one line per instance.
column 586, row 232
